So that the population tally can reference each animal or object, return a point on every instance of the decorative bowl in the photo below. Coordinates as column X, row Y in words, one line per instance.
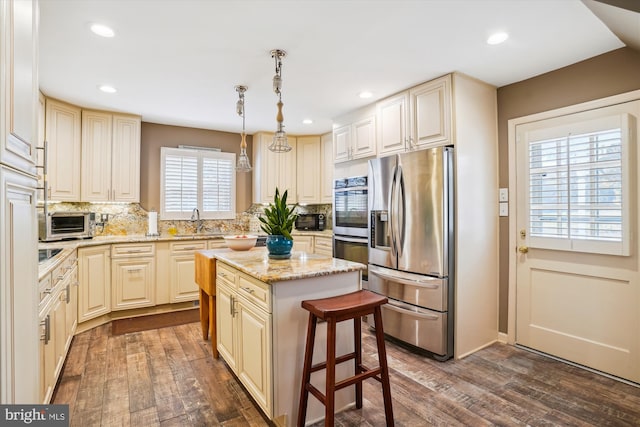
column 241, row 242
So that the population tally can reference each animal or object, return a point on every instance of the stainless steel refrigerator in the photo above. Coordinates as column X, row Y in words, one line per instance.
column 411, row 250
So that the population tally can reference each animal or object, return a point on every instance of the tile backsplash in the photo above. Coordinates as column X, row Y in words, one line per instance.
column 131, row 219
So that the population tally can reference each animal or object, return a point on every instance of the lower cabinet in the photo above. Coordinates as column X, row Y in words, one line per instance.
column 303, row 244
column 243, row 322
column 182, row 270
column 94, row 293
column 323, row 246
column 133, row 274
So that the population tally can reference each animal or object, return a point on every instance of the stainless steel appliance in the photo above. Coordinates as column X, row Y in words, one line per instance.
column 66, row 225
column 350, row 206
column 310, row 222
column 352, row 249
column 411, row 251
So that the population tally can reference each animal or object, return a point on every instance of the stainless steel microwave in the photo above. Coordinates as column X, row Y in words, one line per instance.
column 66, row 225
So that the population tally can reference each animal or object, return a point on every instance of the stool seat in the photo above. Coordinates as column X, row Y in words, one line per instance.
column 344, row 307
column 336, row 309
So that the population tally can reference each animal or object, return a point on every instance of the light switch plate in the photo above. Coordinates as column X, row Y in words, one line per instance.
column 504, row 195
column 504, row 209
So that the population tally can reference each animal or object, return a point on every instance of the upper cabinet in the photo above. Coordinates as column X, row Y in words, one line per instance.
column 308, row 169
column 354, row 136
column 271, row 170
column 19, row 83
column 326, row 163
column 110, row 157
column 64, row 140
column 416, row 118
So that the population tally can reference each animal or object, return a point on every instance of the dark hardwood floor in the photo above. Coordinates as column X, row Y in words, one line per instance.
column 167, row 377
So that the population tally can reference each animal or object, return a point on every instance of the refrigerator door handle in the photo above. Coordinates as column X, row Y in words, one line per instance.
column 400, row 211
column 423, row 283
column 392, row 213
column 407, row 309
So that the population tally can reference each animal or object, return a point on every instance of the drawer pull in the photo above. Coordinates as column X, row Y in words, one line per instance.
column 249, row 290
column 47, row 291
column 133, row 251
column 134, row 270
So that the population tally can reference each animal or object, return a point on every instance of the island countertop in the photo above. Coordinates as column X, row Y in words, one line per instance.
column 301, row 265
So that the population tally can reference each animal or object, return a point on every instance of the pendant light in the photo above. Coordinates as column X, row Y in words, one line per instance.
column 243, row 159
column 280, row 143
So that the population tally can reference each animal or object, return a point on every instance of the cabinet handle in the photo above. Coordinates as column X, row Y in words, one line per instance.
column 131, row 270
column 190, row 248
column 133, row 251
column 231, row 310
column 47, row 291
column 68, row 296
column 46, row 336
column 221, row 274
column 249, row 290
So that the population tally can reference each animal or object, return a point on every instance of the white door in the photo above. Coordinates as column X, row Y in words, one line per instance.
column 577, row 270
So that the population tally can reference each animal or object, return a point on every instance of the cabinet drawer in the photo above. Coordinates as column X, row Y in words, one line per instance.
column 182, row 247
column 226, row 274
column 44, row 289
column 133, row 250
column 324, row 244
column 217, row 244
column 255, row 291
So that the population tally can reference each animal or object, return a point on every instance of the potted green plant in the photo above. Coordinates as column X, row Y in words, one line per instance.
column 277, row 222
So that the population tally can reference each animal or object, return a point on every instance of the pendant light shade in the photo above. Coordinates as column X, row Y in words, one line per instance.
column 280, row 143
column 243, row 160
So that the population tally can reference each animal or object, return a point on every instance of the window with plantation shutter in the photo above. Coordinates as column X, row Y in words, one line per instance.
column 579, row 184
column 197, row 179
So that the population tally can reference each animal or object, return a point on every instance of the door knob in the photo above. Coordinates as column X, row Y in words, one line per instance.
column 523, row 249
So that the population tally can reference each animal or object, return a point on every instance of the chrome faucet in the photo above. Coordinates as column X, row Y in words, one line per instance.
column 195, row 216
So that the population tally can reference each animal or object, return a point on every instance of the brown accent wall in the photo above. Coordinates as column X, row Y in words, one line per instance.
column 154, row 136
column 605, row 75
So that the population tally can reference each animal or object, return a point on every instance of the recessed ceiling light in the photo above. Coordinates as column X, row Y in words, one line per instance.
column 497, row 38
column 307, row 121
column 365, row 94
column 102, row 30
column 107, row 89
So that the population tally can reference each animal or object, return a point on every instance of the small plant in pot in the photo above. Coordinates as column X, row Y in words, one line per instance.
column 278, row 222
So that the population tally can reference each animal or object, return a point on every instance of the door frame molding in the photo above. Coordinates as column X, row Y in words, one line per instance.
column 511, row 128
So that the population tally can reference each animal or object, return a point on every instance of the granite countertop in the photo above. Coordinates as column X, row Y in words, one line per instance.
column 256, row 263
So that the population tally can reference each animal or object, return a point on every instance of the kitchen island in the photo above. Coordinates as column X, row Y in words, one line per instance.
column 261, row 327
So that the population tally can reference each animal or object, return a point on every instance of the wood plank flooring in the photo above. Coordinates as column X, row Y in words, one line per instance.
column 167, row 377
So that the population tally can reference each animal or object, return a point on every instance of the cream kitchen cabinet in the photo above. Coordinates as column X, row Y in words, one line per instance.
column 309, row 169
column 323, row 245
column 19, row 83
column 326, row 168
column 94, row 292
column 355, row 141
column 64, row 141
column 303, row 243
column 416, row 118
column 110, row 157
column 243, row 319
column 271, row 170
column 133, row 273
column 182, row 270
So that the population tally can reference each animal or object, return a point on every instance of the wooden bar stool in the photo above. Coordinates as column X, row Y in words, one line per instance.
column 333, row 310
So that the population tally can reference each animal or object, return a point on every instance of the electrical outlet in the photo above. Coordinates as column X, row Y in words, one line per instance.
column 504, row 209
column 104, row 218
column 504, row 195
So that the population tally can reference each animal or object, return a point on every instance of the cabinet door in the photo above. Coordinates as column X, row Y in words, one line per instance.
column 182, row 270
column 132, row 283
column 125, row 160
column 430, row 113
column 225, row 326
column 363, row 139
column 265, row 163
column 342, row 144
column 19, row 92
column 72, row 306
column 18, row 288
column 303, row 244
column 47, row 359
column 59, row 330
column 326, row 173
column 392, row 123
column 308, row 169
column 323, row 245
column 287, row 168
column 254, row 352
column 94, row 292
column 63, row 157
column 96, row 156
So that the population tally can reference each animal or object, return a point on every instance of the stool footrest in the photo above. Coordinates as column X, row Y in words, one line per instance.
column 357, row 378
column 341, row 359
column 317, row 393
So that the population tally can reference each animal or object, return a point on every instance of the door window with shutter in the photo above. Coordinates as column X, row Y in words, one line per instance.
column 200, row 179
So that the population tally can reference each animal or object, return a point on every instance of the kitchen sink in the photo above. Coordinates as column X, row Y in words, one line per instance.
column 45, row 254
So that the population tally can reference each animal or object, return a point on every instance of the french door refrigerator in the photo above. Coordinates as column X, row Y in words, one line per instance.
column 411, row 246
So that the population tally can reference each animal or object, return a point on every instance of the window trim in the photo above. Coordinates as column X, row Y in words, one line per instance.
column 199, row 155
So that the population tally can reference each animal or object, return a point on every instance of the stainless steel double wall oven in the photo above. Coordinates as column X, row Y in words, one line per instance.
column 350, row 224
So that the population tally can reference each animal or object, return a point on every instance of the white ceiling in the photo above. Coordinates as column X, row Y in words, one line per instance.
column 177, row 61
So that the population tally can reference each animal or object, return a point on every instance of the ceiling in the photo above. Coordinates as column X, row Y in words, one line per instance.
column 177, row 61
